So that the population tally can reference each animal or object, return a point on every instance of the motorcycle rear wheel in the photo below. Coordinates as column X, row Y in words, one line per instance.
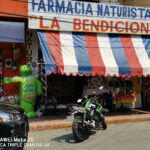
column 80, row 133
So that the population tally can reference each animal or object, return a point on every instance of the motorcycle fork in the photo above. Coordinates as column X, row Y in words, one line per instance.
column 100, row 107
column 84, row 115
column 84, row 118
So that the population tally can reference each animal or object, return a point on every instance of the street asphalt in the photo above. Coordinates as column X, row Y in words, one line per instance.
column 122, row 136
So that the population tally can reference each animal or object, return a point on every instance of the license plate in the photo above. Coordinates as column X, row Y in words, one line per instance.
column 70, row 118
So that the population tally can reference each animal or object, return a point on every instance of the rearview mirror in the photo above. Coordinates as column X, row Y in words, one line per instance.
column 85, row 97
column 101, row 87
column 79, row 100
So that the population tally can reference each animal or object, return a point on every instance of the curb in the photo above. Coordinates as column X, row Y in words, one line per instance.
column 127, row 118
column 63, row 123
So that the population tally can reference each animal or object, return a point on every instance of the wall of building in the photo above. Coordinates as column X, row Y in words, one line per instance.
column 141, row 3
column 103, row 1
column 8, row 52
column 138, row 3
column 111, row 1
column 13, row 10
column 8, row 7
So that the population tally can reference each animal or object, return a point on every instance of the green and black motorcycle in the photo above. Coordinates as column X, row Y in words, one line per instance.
column 86, row 116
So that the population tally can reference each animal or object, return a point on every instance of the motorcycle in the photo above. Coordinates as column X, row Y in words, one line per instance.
column 86, row 116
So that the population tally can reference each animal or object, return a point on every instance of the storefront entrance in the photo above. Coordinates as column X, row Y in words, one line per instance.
column 112, row 57
column 65, row 89
column 117, row 92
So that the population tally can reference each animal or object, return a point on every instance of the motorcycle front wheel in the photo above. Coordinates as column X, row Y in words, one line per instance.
column 102, row 122
column 104, row 125
column 80, row 133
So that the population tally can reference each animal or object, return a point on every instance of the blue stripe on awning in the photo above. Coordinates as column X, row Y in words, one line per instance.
column 48, row 60
column 12, row 32
column 83, row 61
column 146, row 42
column 119, row 54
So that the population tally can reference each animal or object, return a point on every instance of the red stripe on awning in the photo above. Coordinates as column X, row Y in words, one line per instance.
column 95, row 57
column 127, row 45
column 54, row 45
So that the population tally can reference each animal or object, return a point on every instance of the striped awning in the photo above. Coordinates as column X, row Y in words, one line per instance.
column 74, row 53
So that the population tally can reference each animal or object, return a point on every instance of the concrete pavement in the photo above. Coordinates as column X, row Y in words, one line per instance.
column 123, row 136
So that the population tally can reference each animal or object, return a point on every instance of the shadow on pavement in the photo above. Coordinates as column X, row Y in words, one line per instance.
column 68, row 138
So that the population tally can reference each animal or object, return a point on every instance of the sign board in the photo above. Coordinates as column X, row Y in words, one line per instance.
column 66, row 15
column 32, row 50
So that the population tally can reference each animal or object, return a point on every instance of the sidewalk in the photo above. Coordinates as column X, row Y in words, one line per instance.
column 55, row 122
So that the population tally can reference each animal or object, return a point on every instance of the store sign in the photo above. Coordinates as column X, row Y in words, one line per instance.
column 65, row 15
column 32, row 50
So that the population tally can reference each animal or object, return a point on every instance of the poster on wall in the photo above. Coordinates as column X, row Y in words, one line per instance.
column 66, row 15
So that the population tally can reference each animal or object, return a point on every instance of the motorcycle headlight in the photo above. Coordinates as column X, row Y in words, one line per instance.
column 8, row 117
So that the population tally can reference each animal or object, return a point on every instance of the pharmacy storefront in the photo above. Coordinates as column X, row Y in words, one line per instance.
column 85, row 45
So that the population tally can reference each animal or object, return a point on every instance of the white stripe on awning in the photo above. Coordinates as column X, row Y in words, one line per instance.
column 141, row 53
column 68, row 53
column 107, row 55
